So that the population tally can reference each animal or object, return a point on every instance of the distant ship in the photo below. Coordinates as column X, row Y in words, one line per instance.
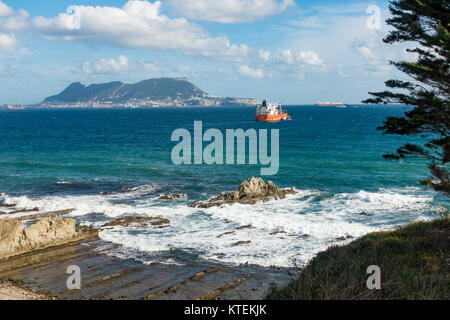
column 16, row 108
column 331, row 104
column 270, row 112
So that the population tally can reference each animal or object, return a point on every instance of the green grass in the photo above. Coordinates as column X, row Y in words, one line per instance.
column 414, row 262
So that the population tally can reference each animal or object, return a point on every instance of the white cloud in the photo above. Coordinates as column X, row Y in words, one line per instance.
column 341, row 35
column 309, row 57
column 264, row 55
column 107, row 66
column 229, row 11
column 368, row 55
column 150, row 67
column 187, row 71
column 10, row 21
column 7, row 42
column 375, row 56
column 288, row 56
column 138, row 24
column 141, row 24
column 292, row 63
column 5, row 10
column 249, row 72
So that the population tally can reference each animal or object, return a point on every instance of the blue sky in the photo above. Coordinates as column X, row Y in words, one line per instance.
column 297, row 51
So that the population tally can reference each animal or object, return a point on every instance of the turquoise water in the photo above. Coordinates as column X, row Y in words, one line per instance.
column 108, row 163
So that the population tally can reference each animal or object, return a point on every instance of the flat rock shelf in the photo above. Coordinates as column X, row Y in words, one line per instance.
column 105, row 277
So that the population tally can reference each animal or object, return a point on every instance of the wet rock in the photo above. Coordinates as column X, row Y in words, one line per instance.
column 216, row 293
column 6, row 205
column 44, row 233
column 154, row 295
column 170, row 196
column 277, row 233
column 24, row 210
column 341, row 238
column 2, row 213
column 86, row 229
column 199, row 276
column 213, row 270
column 250, row 191
column 225, row 234
column 137, row 221
column 172, row 289
column 241, row 243
column 244, row 227
column 46, row 215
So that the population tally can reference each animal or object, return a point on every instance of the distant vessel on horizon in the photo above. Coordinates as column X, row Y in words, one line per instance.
column 270, row 112
column 16, row 108
column 331, row 104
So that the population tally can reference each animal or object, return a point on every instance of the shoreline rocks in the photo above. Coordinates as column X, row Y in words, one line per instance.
column 15, row 290
column 132, row 221
column 45, row 215
column 24, row 211
column 250, row 191
column 45, row 233
column 171, row 196
column 7, row 205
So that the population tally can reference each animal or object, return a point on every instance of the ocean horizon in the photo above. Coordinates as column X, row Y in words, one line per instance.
column 109, row 163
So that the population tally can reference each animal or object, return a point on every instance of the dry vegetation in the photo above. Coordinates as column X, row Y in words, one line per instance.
column 414, row 262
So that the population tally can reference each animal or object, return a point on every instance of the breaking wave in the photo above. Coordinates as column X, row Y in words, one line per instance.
column 277, row 233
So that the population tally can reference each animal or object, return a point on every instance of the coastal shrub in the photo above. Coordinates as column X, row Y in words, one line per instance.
column 414, row 262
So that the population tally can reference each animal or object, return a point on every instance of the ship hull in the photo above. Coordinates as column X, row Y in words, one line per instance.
column 271, row 118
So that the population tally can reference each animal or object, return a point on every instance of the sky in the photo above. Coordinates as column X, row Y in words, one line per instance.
column 290, row 51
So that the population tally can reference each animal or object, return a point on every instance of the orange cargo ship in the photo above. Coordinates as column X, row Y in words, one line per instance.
column 270, row 112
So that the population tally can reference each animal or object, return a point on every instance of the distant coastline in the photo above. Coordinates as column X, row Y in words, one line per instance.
column 158, row 92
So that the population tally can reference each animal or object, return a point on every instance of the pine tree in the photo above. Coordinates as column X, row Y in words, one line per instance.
column 426, row 25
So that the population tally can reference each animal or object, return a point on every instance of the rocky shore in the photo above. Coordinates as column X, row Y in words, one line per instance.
column 36, row 249
column 44, row 233
column 10, row 290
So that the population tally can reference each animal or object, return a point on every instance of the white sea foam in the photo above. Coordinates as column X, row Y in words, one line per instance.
column 322, row 216
column 349, row 215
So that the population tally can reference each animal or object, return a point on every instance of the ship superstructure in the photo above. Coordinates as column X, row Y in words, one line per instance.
column 270, row 112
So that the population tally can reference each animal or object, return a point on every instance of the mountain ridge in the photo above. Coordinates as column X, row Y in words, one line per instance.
column 150, row 92
column 119, row 91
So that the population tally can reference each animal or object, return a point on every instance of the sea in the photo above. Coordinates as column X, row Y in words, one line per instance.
column 110, row 163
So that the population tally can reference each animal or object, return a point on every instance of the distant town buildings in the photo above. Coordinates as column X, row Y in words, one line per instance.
column 206, row 101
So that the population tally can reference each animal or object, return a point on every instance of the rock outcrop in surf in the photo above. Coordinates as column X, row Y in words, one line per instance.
column 134, row 221
column 250, row 191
